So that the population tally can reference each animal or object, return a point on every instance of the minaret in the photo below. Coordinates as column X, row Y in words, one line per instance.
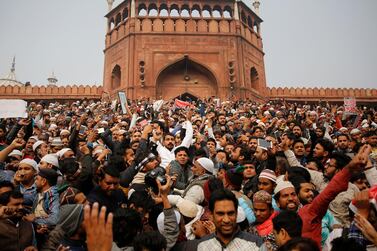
column 12, row 73
column 110, row 4
column 256, row 5
column 52, row 80
column 236, row 14
column 11, row 79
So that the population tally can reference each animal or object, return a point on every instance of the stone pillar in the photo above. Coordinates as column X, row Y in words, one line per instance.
column 133, row 9
column 236, row 14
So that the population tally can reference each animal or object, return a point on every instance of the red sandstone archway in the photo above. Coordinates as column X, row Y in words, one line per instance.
column 186, row 76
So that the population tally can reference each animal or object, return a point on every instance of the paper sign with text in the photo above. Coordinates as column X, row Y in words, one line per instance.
column 13, row 108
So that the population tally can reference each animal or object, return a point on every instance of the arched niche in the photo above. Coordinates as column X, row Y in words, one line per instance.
column 227, row 13
column 195, row 11
column 254, row 78
column 118, row 19
column 217, row 12
column 206, row 13
column 164, row 10
column 142, row 10
column 185, row 11
column 174, row 10
column 152, row 10
column 116, row 76
column 125, row 14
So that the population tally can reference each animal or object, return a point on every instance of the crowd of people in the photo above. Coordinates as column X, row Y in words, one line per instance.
column 198, row 175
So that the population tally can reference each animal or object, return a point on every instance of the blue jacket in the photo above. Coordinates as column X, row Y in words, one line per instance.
column 50, row 205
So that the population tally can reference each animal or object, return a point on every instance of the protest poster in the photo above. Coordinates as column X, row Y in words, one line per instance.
column 157, row 105
column 13, row 108
column 123, row 101
column 350, row 105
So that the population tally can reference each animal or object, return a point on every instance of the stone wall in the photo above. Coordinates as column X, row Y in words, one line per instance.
column 77, row 92
column 50, row 93
column 315, row 94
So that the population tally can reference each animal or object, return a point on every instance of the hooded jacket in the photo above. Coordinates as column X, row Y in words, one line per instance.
column 70, row 219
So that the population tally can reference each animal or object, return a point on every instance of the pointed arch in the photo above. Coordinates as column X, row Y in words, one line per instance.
column 142, row 10
column 185, row 76
column 254, row 78
column 116, row 76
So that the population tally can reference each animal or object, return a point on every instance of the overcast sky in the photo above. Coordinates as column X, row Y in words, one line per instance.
column 308, row 43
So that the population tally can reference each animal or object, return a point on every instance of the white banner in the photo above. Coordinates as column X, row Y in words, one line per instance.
column 13, row 108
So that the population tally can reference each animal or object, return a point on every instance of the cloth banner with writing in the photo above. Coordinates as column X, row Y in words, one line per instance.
column 181, row 104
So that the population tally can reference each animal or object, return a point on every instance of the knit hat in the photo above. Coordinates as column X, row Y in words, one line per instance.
column 263, row 197
column 50, row 174
column 268, row 174
column 235, row 179
column 37, row 144
column 161, row 220
column 70, row 218
column 207, row 164
column 187, row 208
column 282, row 185
column 51, row 159
column 29, row 162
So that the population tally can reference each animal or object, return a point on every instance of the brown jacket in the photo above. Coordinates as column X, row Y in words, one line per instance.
column 15, row 237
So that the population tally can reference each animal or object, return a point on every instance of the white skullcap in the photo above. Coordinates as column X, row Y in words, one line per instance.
column 355, row 131
column 30, row 162
column 343, row 129
column 282, row 185
column 364, row 122
column 15, row 153
column 34, row 137
column 37, row 144
column 261, row 124
column 62, row 152
column 53, row 126
column 161, row 220
column 56, row 142
column 207, row 164
column 266, row 113
column 187, row 208
column 51, row 159
column 64, row 132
